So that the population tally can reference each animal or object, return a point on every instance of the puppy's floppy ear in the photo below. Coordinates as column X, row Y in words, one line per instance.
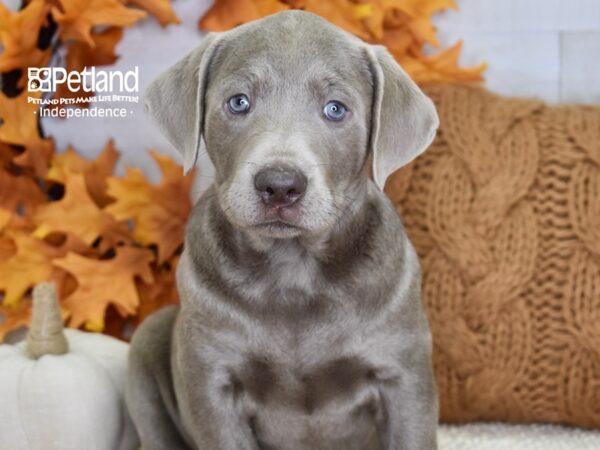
column 403, row 119
column 175, row 100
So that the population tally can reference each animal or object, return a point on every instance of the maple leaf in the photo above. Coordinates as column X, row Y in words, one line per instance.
column 104, row 282
column 101, row 53
column 161, row 9
column 116, row 325
column 80, row 55
column 226, row 14
column 8, row 247
column 95, row 172
column 19, row 193
column 417, row 8
column 5, row 218
column 14, row 318
column 160, row 212
column 19, row 119
column 403, row 26
column 18, row 41
column 159, row 294
column 10, row 220
column 76, row 213
column 342, row 13
column 77, row 17
column 20, row 127
column 30, row 264
column 36, row 156
column 372, row 15
column 418, row 13
column 397, row 40
column 7, row 154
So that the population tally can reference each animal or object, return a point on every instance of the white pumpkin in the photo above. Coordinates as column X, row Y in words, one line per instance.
column 63, row 389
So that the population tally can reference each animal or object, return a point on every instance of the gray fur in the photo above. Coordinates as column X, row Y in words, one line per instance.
column 304, row 337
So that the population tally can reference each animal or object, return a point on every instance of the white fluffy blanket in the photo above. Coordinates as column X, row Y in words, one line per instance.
column 492, row 436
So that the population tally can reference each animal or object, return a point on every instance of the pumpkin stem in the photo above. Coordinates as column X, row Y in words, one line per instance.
column 46, row 336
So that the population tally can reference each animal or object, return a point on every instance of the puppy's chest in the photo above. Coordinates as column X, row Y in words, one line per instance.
column 334, row 401
column 303, row 356
column 304, row 389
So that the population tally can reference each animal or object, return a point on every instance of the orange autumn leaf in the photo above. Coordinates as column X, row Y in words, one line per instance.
column 7, row 154
column 116, row 325
column 76, row 213
column 80, row 55
column 424, row 32
column 19, row 119
column 19, row 193
column 70, row 243
column 160, row 212
column 65, row 163
column 419, row 14
column 417, row 7
column 36, row 156
column 30, row 264
column 36, row 230
column 226, row 14
column 76, row 18
column 11, row 221
column 8, row 219
column 14, row 318
column 20, row 127
column 5, row 218
column 342, row 13
column 161, row 9
column 95, row 172
column 101, row 53
column 372, row 16
column 403, row 26
column 159, row 294
column 104, row 282
column 65, row 283
column 397, row 40
column 19, row 43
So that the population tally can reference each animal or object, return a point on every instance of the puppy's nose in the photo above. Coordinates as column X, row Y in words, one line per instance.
column 280, row 185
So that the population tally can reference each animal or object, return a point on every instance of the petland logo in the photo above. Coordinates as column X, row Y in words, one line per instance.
column 48, row 79
column 89, row 87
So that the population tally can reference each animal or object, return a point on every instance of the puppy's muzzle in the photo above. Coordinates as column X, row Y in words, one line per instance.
column 280, row 186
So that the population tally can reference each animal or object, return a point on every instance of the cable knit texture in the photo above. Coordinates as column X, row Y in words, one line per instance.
column 504, row 210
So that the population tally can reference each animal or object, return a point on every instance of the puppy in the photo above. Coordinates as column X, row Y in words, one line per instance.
column 301, row 324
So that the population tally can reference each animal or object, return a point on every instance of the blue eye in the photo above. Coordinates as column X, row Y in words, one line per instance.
column 334, row 111
column 238, row 104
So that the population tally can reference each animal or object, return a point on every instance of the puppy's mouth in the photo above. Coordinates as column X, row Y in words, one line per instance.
column 278, row 225
column 280, row 219
column 287, row 215
column 278, row 229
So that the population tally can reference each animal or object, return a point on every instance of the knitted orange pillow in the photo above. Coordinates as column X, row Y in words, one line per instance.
column 504, row 210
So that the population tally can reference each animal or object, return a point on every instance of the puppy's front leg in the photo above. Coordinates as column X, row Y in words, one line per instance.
column 410, row 401
column 218, row 428
column 207, row 398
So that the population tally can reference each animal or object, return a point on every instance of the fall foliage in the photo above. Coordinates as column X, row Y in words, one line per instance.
column 403, row 26
column 105, row 241
column 111, row 244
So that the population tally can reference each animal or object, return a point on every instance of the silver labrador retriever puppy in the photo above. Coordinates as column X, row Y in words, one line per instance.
column 301, row 324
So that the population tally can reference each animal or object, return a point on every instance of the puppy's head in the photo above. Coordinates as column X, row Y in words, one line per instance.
column 292, row 111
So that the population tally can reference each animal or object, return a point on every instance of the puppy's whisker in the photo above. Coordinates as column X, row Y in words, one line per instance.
column 344, row 213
